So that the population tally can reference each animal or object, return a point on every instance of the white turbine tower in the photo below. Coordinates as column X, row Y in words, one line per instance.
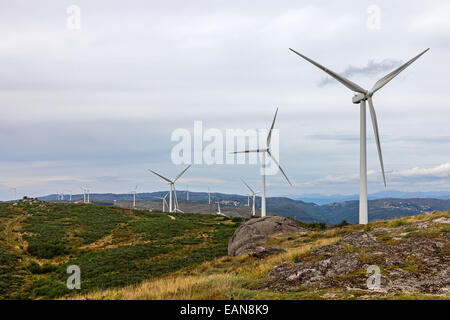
column 84, row 194
column 360, row 98
column 263, row 165
column 254, row 193
column 187, row 192
column 173, row 201
column 134, row 196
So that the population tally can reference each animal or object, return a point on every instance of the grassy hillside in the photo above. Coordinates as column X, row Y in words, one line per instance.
column 247, row 277
column 113, row 247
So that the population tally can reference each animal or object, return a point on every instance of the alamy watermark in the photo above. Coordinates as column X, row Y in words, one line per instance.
column 73, row 21
column 373, row 21
column 74, row 280
column 374, row 280
column 213, row 146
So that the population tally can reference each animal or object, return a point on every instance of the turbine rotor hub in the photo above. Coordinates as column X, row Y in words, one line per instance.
column 357, row 98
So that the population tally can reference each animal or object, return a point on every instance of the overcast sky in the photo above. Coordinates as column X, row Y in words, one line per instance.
column 96, row 106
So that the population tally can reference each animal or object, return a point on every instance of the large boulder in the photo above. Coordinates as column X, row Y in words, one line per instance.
column 249, row 237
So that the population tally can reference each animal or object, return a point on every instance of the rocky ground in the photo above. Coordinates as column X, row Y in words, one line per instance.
column 412, row 258
column 249, row 238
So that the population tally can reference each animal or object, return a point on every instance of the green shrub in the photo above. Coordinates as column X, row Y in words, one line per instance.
column 399, row 223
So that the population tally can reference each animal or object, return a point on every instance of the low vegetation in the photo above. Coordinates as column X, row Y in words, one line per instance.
column 246, row 277
column 113, row 247
column 134, row 254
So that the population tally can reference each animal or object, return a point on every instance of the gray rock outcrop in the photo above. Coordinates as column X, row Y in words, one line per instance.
column 248, row 238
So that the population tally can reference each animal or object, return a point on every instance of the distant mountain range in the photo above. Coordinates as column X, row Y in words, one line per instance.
column 325, row 199
column 330, row 213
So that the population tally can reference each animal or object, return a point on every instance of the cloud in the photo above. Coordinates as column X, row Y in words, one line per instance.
column 394, row 177
column 371, row 69
column 441, row 172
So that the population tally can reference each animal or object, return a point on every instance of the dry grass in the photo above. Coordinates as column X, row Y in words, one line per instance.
column 239, row 277
column 175, row 287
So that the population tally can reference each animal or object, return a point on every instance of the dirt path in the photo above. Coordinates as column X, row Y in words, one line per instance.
column 13, row 240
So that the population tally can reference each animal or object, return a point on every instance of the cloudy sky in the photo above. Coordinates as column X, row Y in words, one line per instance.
column 96, row 105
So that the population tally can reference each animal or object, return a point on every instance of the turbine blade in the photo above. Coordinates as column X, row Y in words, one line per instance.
column 248, row 186
column 269, row 136
column 377, row 136
column 181, row 173
column 176, row 199
column 168, row 180
column 349, row 84
column 245, row 151
column 383, row 81
column 279, row 167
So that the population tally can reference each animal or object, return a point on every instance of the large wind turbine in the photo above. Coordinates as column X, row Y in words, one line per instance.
column 173, row 201
column 361, row 96
column 263, row 165
column 254, row 193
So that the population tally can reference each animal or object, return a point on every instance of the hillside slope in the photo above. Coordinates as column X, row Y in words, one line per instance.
column 413, row 255
column 113, row 247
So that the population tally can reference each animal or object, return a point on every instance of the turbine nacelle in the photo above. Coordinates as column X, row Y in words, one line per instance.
column 357, row 98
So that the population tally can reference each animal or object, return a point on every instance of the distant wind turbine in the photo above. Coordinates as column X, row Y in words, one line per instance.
column 164, row 202
column 173, row 201
column 218, row 209
column 263, row 165
column 134, row 196
column 254, row 193
column 361, row 96
column 84, row 194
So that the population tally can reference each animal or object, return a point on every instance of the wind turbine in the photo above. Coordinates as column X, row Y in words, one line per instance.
column 84, row 194
column 164, row 202
column 360, row 97
column 88, row 195
column 134, row 196
column 263, row 165
column 173, row 201
column 218, row 209
column 254, row 197
column 187, row 192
